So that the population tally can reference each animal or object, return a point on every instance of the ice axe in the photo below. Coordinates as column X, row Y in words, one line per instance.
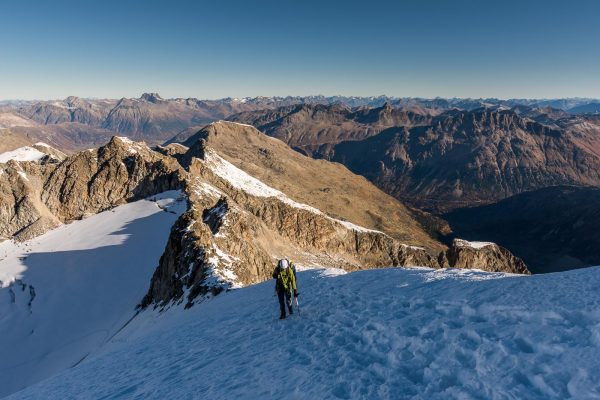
column 297, row 304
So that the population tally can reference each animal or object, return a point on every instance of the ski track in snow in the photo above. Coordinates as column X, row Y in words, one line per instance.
column 378, row 334
column 65, row 293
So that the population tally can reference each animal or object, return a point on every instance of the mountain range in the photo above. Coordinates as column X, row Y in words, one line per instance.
column 436, row 155
column 453, row 160
column 76, row 123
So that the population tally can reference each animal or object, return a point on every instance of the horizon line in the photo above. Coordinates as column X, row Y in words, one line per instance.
column 304, row 96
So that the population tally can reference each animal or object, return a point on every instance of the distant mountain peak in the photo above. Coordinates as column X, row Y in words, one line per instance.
column 151, row 97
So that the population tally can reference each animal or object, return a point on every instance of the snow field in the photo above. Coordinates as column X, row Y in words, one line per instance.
column 64, row 294
column 377, row 334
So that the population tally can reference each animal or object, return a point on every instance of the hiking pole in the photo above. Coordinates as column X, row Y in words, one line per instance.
column 297, row 304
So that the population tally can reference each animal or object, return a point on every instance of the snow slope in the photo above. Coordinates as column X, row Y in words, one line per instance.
column 76, row 286
column 377, row 334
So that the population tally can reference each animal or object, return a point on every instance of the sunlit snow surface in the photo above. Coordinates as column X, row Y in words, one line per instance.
column 65, row 294
column 389, row 334
column 22, row 154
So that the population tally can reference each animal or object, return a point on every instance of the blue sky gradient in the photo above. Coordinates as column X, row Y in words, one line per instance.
column 427, row 48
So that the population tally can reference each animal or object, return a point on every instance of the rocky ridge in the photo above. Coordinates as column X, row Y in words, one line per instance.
column 304, row 122
column 235, row 227
column 37, row 196
column 329, row 187
column 238, row 226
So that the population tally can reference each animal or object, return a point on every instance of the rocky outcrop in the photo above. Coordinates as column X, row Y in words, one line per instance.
column 37, row 196
column 22, row 213
column 485, row 256
column 551, row 229
column 121, row 171
column 179, row 267
column 172, row 150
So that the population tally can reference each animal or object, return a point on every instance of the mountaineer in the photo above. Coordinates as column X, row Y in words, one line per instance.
column 285, row 286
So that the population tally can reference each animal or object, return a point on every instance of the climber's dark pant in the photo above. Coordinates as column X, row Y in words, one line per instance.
column 284, row 297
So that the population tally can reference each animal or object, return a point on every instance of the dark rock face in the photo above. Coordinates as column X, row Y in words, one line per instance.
column 552, row 229
column 214, row 217
column 180, row 269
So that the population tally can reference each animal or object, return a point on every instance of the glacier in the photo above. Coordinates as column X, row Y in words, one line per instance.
column 396, row 333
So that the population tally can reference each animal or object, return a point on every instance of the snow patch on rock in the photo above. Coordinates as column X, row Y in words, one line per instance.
column 221, row 272
column 234, row 123
column 475, row 245
column 249, row 184
column 204, row 188
column 22, row 154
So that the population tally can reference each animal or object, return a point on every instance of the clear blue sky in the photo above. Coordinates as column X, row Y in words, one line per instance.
column 219, row 48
